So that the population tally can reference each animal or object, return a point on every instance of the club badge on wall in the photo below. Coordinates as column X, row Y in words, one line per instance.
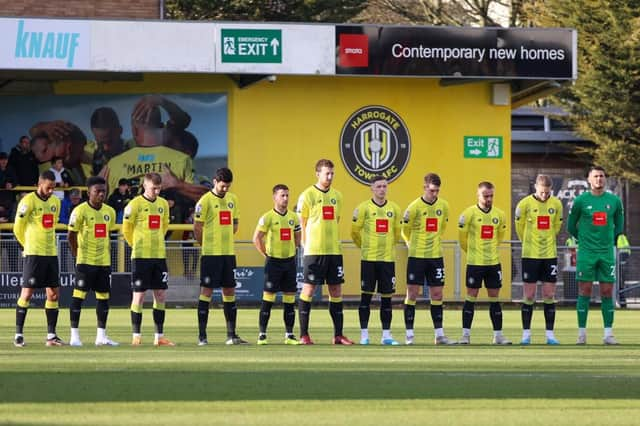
column 375, row 141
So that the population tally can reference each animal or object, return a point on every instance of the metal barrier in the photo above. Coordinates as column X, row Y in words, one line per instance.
column 183, row 260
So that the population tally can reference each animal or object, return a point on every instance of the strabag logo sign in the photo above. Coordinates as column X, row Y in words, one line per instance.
column 354, row 51
column 375, row 141
column 45, row 44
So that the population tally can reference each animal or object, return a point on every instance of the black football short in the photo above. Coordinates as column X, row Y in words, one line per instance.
column 149, row 274
column 381, row 273
column 218, row 271
column 40, row 272
column 491, row 275
column 543, row 270
column 419, row 268
column 92, row 277
column 321, row 269
column 280, row 275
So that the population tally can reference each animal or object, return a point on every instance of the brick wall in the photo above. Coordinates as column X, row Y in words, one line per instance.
column 122, row 9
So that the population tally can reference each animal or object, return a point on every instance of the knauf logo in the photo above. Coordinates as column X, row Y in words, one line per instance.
column 46, row 45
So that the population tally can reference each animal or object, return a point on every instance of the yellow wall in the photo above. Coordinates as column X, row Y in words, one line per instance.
column 277, row 131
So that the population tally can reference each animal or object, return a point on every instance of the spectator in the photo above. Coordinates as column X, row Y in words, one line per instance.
column 68, row 204
column 24, row 162
column 7, row 182
column 120, row 198
column 63, row 178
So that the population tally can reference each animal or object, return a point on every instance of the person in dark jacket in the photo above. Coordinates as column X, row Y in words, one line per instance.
column 24, row 163
column 120, row 198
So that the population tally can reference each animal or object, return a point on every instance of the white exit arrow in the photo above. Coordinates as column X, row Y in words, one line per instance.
column 475, row 152
column 274, row 44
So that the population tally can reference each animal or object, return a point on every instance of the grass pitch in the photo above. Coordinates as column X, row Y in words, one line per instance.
column 321, row 384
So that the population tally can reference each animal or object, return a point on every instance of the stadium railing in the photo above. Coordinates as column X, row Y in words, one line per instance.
column 184, row 270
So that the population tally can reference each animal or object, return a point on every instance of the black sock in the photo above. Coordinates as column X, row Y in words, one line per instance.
column 289, row 315
column 102, row 312
column 74, row 311
column 304, row 310
column 158, row 320
column 495, row 312
column 364, row 309
column 436, row 315
column 203, row 318
column 230, row 313
column 136, row 321
column 52, row 319
column 549, row 315
column 385, row 312
column 21, row 315
column 335, row 310
column 265, row 314
column 468, row 310
column 409, row 316
column 527, row 314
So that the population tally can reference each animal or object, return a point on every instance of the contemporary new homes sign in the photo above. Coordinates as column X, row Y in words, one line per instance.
column 522, row 53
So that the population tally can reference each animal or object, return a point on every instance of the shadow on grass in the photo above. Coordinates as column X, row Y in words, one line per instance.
column 287, row 385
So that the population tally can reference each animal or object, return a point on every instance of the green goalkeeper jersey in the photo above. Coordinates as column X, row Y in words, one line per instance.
column 596, row 220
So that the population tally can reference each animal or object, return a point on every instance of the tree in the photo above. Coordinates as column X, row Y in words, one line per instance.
column 604, row 103
column 483, row 13
column 265, row 10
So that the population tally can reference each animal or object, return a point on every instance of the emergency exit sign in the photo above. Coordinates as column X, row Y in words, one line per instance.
column 483, row 147
column 251, row 45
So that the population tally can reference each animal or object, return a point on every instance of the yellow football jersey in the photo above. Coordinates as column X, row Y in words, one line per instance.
column 321, row 210
column 218, row 215
column 35, row 224
column 376, row 230
column 144, row 226
column 424, row 225
column 279, row 230
column 93, row 227
column 537, row 225
column 480, row 232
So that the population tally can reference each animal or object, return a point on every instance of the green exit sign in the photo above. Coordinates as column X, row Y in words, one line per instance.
column 483, row 147
column 251, row 46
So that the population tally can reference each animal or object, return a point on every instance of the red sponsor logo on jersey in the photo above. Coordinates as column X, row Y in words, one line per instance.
column 354, row 50
column 599, row 218
column 225, row 217
column 431, row 224
column 285, row 234
column 154, row 221
column 382, row 225
column 544, row 222
column 486, row 232
column 100, row 230
column 328, row 212
column 47, row 220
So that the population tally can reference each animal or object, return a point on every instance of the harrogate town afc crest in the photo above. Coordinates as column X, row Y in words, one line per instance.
column 375, row 141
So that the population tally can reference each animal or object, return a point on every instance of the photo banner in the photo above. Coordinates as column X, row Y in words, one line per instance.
column 182, row 136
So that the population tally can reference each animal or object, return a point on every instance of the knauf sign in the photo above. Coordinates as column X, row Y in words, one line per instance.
column 45, row 44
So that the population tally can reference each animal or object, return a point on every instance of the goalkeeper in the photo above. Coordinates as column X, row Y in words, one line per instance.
column 596, row 219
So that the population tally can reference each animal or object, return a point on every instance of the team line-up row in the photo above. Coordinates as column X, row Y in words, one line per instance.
column 595, row 221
